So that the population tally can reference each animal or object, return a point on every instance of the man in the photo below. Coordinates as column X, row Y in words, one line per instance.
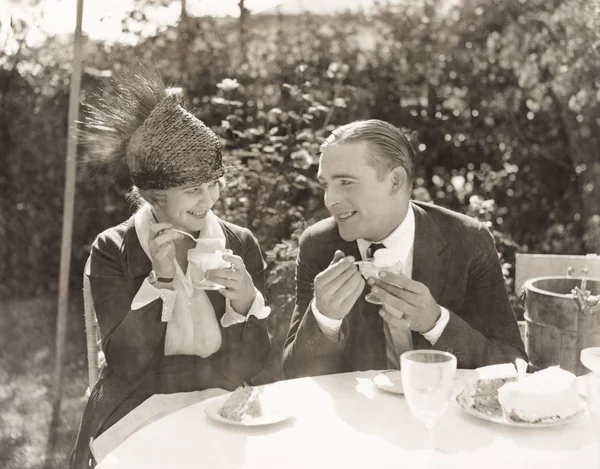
column 450, row 295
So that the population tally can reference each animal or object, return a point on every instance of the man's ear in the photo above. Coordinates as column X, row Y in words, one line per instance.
column 399, row 178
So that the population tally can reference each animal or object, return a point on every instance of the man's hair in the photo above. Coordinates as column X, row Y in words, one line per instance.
column 388, row 144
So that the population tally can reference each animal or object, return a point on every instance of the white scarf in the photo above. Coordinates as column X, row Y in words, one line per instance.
column 193, row 328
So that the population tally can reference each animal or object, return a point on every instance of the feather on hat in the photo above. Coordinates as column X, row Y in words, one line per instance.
column 138, row 123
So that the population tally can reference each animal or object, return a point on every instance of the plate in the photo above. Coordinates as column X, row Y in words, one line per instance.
column 270, row 417
column 465, row 401
column 389, row 381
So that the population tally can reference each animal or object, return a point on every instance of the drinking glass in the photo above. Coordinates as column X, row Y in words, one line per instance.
column 593, row 400
column 427, row 379
column 590, row 358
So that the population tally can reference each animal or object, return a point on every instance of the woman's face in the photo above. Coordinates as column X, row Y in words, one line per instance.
column 186, row 207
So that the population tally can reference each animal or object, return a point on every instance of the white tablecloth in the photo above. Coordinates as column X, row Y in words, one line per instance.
column 344, row 421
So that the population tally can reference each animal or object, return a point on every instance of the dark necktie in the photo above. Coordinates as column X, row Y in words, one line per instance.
column 397, row 341
column 373, row 248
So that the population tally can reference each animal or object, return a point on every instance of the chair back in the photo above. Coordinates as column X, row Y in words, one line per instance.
column 92, row 332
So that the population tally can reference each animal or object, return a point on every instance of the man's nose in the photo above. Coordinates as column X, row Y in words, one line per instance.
column 332, row 197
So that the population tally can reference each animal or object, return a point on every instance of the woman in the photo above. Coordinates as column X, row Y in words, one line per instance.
column 161, row 334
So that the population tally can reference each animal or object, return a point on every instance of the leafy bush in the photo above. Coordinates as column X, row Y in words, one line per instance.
column 503, row 125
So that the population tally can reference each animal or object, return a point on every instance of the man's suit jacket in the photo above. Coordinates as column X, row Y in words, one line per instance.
column 454, row 256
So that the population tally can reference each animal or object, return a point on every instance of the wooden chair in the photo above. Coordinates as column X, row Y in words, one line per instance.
column 95, row 355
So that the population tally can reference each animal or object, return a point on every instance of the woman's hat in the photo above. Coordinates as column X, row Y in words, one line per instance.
column 137, row 122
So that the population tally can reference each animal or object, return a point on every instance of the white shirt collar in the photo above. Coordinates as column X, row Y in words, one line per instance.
column 400, row 241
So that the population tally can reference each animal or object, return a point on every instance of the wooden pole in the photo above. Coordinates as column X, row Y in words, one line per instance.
column 184, row 42
column 69, row 199
column 242, row 24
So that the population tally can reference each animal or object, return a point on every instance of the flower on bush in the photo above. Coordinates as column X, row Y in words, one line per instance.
column 421, row 194
column 475, row 203
column 486, row 206
column 274, row 114
column 228, row 84
column 301, row 159
column 337, row 70
column 482, row 209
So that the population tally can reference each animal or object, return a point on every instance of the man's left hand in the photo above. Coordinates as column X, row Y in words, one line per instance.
column 407, row 299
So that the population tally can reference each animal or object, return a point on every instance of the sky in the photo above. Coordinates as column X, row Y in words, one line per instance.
column 102, row 18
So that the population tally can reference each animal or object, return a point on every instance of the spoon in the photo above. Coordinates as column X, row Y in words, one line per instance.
column 521, row 368
column 184, row 233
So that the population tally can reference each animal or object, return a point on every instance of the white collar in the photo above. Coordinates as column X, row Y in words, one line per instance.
column 400, row 241
column 143, row 218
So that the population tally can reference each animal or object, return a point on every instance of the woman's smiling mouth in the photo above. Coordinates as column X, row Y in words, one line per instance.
column 198, row 214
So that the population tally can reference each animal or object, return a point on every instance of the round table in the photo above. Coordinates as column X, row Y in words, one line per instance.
column 344, row 421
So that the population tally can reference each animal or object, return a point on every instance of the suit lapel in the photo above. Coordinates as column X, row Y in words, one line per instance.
column 350, row 248
column 430, row 255
column 138, row 263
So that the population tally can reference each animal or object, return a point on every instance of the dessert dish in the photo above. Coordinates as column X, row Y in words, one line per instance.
column 243, row 403
column 547, row 395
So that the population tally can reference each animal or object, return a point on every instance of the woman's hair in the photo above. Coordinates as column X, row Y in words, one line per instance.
column 137, row 125
column 138, row 196
column 152, row 196
column 388, row 144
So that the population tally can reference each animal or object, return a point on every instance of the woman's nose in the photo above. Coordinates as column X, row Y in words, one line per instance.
column 204, row 196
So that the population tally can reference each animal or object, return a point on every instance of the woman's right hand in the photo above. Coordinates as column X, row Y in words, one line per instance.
column 162, row 249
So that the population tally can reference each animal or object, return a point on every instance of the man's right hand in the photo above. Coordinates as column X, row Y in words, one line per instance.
column 338, row 287
column 162, row 249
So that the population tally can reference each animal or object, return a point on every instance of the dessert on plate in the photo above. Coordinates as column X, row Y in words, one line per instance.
column 483, row 396
column 547, row 395
column 243, row 403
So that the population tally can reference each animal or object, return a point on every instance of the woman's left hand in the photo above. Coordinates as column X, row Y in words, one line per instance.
column 239, row 287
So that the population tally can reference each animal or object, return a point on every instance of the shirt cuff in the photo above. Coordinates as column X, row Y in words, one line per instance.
column 436, row 331
column 148, row 293
column 329, row 327
column 258, row 310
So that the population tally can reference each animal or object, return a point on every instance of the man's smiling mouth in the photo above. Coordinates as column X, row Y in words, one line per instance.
column 345, row 215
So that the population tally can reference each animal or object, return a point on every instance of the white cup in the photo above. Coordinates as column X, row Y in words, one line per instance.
column 207, row 255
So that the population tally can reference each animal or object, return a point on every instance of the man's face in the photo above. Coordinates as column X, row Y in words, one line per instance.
column 363, row 204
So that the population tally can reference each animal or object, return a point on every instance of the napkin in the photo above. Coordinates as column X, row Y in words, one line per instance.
column 503, row 370
column 152, row 409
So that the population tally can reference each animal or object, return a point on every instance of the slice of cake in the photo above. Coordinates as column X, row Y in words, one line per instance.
column 485, row 396
column 546, row 395
column 243, row 403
